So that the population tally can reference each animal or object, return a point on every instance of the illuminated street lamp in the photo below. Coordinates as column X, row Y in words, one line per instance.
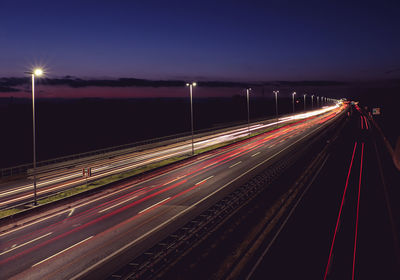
column 36, row 72
column 191, row 85
column 248, row 110
column 276, row 104
column 305, row 102
column 293, row 94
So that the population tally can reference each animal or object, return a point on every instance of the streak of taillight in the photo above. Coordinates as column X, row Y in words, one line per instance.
column 358, row 210
column 340, row 212
column 362, row 122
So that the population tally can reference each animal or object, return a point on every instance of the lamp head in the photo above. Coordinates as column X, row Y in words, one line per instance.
column 38, row 72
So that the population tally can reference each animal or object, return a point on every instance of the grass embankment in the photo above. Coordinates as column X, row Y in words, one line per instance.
column 137, row 171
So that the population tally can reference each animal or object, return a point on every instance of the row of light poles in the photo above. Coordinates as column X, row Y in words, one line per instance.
column 248, row 90
column 39, row 72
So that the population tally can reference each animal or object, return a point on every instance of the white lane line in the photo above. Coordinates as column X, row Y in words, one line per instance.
column 19, row 246
column 72, row 211
column 172, row 181
column 70, row 247
column 154, row 205
column 255, row 154
column 158, row 227
column 239, row 162
column 112, row 206
column 204, row 180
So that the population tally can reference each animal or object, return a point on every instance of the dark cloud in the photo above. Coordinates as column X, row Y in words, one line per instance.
column 310, row 83
column 8, row 89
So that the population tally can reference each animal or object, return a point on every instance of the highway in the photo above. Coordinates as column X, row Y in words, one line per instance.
column 86, row 235
column 21, row 192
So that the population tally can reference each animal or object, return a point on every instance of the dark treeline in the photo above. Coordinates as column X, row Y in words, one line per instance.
column 70, row 126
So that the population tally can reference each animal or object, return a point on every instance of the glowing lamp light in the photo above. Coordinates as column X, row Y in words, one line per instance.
column 38, row 72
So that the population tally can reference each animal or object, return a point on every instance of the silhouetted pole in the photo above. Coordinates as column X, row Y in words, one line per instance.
column 191, row 85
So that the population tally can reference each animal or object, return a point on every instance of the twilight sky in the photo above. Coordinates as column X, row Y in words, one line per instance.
column 229, row 40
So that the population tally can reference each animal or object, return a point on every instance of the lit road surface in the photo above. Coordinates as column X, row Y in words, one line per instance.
column 87, row 234
column 12, row 194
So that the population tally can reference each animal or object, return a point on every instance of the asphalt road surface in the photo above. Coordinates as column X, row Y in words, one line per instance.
column 345, row 225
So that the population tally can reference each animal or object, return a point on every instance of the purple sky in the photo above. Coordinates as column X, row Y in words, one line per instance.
column 202, row 40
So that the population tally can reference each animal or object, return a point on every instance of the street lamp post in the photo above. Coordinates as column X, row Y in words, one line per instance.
column 276, row 105
column 317, row 101
column 37, row 72
column 293, row 94
column 304, row 102
column 312, row 101
column 191, row 85
column 248, row 110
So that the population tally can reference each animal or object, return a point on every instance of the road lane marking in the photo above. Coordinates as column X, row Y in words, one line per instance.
column 154, row 205
column 70, row 247
column 72, row 211
column 202, row 181
column 255, row 154
column 115, row 205
column 172, row 181
column 239, row 162
column 26, row 243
